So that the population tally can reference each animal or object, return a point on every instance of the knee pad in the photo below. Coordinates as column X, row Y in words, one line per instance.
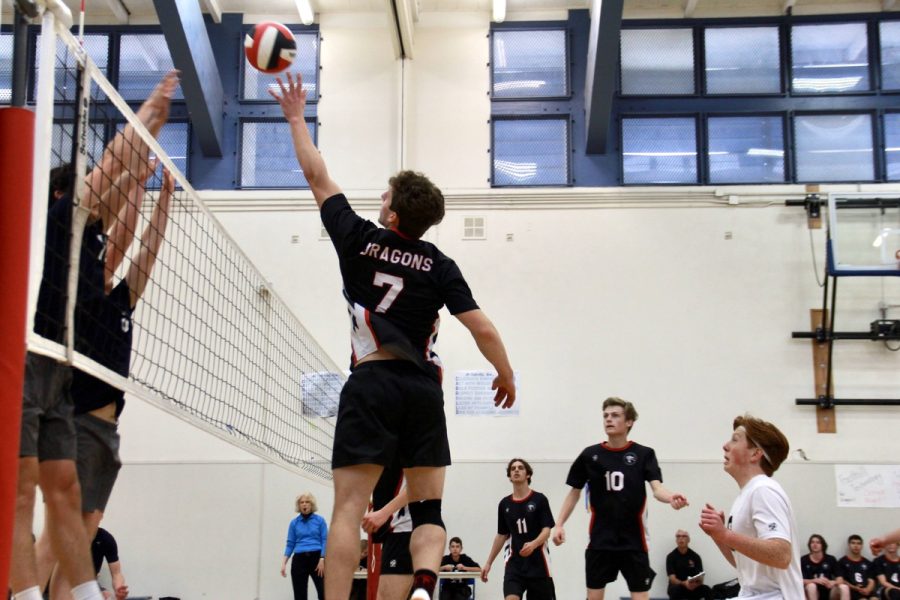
column 426, row 512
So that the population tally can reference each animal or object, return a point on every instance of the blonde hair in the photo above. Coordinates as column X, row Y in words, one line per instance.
column 306, row 496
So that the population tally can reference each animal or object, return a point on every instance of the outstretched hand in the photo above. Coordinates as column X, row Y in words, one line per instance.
column 506, row 391
column 154, row 112
column 292, row 98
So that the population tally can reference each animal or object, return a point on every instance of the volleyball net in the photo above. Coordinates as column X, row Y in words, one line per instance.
column 211, row 342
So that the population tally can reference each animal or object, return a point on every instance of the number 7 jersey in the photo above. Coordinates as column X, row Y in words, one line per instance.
column 618, row 493
column 394, row 285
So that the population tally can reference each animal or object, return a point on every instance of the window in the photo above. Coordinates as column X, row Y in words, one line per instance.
column 173, row 138
column 742, row 60
column 834, row 148
column 6, row 52
column 257, row 83
column 657, row 62
column 529, row 64
column 659, row 150
column 531, row 151
column 829, row 58
column 892, row 145
column 890, row 55
column 268, row 159
column 746, row 149
column 97, row 46
column 143, row 60
column 64, row 132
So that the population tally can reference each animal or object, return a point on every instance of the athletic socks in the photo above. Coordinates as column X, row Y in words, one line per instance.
column 89, row 590
column 423, row 585
column 32, row 593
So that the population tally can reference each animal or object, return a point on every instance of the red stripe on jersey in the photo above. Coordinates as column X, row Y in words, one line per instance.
column 372, row 330
column 544, row 555
column 403, row 235
column 606, row 446
column 640, row 517
column 591, row 524
column 525, row 499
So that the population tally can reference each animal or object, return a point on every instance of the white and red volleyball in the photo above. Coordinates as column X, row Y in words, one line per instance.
column 270, row 47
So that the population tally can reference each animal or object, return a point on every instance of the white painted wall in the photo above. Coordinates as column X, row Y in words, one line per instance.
column 636, row 293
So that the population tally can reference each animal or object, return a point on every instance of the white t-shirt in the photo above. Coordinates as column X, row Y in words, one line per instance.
column 762, row 510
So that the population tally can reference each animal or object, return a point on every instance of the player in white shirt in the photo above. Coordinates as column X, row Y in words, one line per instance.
column 760, row 536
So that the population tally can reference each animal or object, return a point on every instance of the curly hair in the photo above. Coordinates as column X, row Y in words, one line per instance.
column 417, row 201
column 528, row 470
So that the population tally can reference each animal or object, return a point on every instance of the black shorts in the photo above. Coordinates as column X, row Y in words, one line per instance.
column 603, row 566
column 391, row 411
column 47, row 425
column 395, row 556
column 537, row 588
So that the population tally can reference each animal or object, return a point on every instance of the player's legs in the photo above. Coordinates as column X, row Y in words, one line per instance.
column 835, row 592
column 540, row 588
column 812, row 591
column 595, row 594
column 843, row 591
column 427, row 542
column 600, row 568
column 352, row 487
column 60, row 587
column 513, row 586
column 394, row 587
column 22, row 572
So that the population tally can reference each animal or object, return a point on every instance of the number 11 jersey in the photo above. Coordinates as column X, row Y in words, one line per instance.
column 522, row 520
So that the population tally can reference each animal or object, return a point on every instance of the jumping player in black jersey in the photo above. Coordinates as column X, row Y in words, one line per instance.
column 390, row 525
column 855, row 576
column 105, row 326
column 48, row 440
column 525, row 520
column 616, row 472
column 391, row 408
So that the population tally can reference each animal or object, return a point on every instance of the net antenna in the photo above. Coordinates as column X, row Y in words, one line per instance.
column 213, row 344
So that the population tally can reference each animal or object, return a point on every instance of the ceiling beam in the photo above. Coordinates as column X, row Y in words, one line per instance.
column 185, row 30
column 600, row 79
column 119, row 11
column 214, row 10
column 689, row 7
column 788, row 5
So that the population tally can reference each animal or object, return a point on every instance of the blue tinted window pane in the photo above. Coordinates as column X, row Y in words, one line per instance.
column 658, row 62
column 834, row 148
column 143, row 60
column 659, row 150
column 6, row 50
column 257, row 83
column 743, row 60
column 529, row 64
column 890, row 55
column 531, row 152
column 267, row 156
column 97, row 46
column 892, row 145
column 61, row 144
column 173, row 138
column 829, row 58
column 746, row 149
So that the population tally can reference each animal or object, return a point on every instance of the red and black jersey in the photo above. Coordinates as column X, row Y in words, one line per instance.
column 827, row 567
column 386, row 489
column 855, row 572
column 522, row 520
column 882, row 565
column 394, row 286
column 618, row 493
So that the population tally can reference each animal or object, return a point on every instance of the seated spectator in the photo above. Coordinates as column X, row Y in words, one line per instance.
column 854, row 576
column 819, row 570
column 359, row 591
column 104, row 547
column 887, row 568
column 685, row 570
column 457, row 589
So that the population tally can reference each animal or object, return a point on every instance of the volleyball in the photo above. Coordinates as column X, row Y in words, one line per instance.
column 270, row 47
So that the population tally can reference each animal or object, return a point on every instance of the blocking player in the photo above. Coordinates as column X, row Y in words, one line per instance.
column 819, row 570
column 524, row 520
column 887, row 569
column 855, row 578
column 391, row 408
column 391, row 526
column 760, row 536
column 877, row 544
column 48, row 440
column 616, row 471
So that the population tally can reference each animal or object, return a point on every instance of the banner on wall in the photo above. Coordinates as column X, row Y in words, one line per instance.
column 474, row 396
column 867, row 486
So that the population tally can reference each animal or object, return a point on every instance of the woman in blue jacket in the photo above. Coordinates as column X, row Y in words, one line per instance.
column 306, row 542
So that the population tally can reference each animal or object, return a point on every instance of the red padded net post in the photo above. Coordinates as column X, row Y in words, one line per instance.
column 16, row 142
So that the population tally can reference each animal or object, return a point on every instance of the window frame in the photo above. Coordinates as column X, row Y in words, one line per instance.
column 567, row 61
column 569, row 150
column 239, row 163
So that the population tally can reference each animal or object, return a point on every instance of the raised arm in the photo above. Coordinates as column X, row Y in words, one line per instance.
column 151, row 240
column 122, row 232
column 293, row 102
column 559, row 535
column 491, row 346
column 499, row 540
column 673, row 499
column 128, row 153
column 877, row 544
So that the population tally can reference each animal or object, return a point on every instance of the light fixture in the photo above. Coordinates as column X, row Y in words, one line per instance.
column 306, row 12
column 499, row 11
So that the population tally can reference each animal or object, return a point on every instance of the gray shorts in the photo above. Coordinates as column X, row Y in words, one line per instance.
column 98, row 460
column 48, row 431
